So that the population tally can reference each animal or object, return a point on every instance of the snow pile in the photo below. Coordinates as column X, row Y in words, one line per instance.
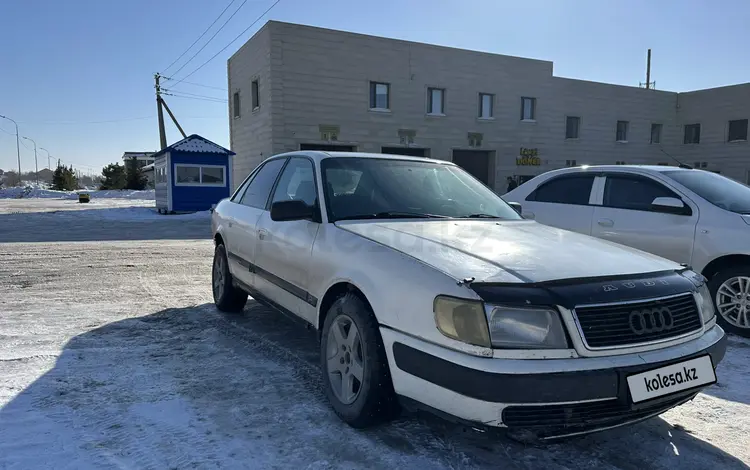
column 31, row 192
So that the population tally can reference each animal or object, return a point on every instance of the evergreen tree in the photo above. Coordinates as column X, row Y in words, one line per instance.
column 114, row 177
column 64, row 179
column 135, row 179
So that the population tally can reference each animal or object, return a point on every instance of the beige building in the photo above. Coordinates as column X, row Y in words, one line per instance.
column 295, row 87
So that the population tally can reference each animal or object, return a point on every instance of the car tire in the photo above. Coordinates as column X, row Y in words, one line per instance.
column 227, row 297
column 729, row 278
column 374, row 400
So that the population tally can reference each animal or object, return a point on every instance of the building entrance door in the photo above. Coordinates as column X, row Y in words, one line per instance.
column 476, row 162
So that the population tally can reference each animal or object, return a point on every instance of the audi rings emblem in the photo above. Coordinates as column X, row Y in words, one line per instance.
column 651, row 320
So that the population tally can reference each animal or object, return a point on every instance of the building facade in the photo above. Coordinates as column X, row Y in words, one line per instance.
column 294, row 87
column 143, row 158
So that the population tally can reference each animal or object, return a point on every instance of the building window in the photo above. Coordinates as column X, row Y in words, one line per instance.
column 692, row 134
column 572, row 126
column 528, row 109
column 436, row 97
column 486, row 102
column 620, row 162
column 737, row 130
column 700, row 165
column 570, row 163
column 380, row 95
column 256, row 95
column 200, row 175
column 655, row 133
column 622, row 131
column 236, row 104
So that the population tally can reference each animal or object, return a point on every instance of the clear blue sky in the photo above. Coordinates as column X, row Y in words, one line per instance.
column 66, row 66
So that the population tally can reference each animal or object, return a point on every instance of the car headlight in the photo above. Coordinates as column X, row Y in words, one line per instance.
column 462, row 319
column 705, row 303
column 526, row 328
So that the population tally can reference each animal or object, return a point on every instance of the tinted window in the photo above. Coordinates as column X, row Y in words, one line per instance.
column 260, row 187
column 297, row 182
column 360, row 188
column 627, row 192
column 716, row 189
column 568, row 190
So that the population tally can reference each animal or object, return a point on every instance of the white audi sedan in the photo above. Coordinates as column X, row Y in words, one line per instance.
column 432, row 293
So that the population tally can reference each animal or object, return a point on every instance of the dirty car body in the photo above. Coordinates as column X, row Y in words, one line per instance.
column 429, row 291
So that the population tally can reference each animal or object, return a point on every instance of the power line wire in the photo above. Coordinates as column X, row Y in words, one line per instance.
column 230, row 43
column 169, row 90
column 212, row 37
column 199, row 84
column 90, row 122
column 7, row 132
column 201, row 36
column 212, row 100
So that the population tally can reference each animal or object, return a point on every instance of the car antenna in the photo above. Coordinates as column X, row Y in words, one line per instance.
column 682, row 165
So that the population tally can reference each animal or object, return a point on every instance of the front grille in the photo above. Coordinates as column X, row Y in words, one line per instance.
column 555, row 419
column 646, row 321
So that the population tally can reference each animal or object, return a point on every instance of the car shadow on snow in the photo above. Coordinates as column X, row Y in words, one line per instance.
column 101, row 224
column 192, row 387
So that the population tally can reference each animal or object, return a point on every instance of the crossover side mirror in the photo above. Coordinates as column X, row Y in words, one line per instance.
column 670, row 205
column 516, row 206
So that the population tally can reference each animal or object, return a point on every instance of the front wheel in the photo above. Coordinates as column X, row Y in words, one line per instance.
column 227, row 297
column 730, row 289
column 355, row 368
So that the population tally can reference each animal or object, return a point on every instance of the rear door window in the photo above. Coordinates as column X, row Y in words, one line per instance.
column 564, row 190
column 259, row 189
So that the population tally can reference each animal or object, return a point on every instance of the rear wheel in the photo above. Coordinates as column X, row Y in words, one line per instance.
column 227, row 297
column 355, row 368
column 730, row 289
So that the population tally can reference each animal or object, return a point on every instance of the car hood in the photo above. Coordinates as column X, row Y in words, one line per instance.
column 507, row 251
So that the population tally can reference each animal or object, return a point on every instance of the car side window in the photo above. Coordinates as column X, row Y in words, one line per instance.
column 633, row 192
column 259, row 188
column 297, row 182
column 565, row 190
column 237, row 196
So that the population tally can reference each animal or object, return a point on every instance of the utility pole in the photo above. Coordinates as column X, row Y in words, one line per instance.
column 649, row 84
column 18, row 147
column 162, row 133
column 36, row 161
column 49, row 159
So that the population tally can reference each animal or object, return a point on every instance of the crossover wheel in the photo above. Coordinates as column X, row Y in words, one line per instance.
column 730, row 289
column 355, row 368
column 227, row 297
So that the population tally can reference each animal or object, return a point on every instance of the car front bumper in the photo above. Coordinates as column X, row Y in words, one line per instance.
column 549, row 397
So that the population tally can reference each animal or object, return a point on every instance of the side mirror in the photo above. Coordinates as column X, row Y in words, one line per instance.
column 291, row 210
column 516, row 206
column 670, row 205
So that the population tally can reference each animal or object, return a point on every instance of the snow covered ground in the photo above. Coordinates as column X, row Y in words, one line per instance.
column 113, row 356
column 30, row 192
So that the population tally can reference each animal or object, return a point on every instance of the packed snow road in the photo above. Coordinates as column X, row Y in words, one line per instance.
column 113, row 356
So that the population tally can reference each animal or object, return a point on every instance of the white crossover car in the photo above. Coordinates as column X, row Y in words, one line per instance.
column 694, row 217
column 432, row 293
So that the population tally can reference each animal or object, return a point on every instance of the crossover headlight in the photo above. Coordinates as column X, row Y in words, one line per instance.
column 705, row 303
column 525, row 328
column 462, row 319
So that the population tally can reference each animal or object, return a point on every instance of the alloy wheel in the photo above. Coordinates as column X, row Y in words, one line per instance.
column 218, row 280
column 345, row 359
column 733, row 301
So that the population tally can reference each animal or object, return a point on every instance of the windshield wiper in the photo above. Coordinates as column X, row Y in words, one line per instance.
column 480, row 216
column 393, row 215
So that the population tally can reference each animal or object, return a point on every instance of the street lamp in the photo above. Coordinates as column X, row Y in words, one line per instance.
column 49, row 165
column 36, row 162
column 18, row 147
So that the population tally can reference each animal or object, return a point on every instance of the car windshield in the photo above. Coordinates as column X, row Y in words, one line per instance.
column 362, row 188
column 716, row 189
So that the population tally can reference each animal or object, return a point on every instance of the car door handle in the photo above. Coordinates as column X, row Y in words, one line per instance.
column 262, row 234
column 606, row 222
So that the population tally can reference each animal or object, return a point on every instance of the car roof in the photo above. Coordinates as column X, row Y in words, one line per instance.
column 319, row 155
column 620, row 168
